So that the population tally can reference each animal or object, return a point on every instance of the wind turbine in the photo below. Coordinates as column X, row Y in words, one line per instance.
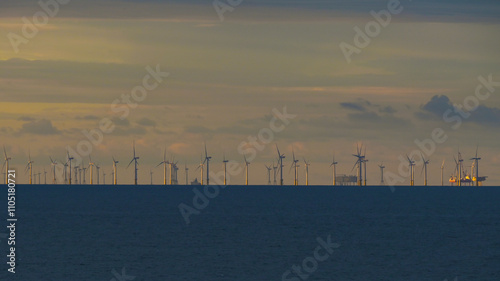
column 151, row 174
column 164, row 162
column 69, row 160
column 97, row 167
column 114, row 171
column 359, row 163
column 53, row 164
column 187, row 170
column 275, row 172
column 382, row 167
column 44, row 176
column 91, row 166
column 84, row 169
column 29, row 167
column 135, row 165
column 424, row 168
column 207, row 159
column 442, row 168
column 306, row 164
column 6, row 165
column 246, row 169
column 103, row 177
column 412, row 163
column 460, row 160
column 201, row 167
column 476, row 164
column 364, row 162
column 334, row 164
column 76, row 174
column 268, row 174
column 224, row 163
column 280, row 161
column 294, row 165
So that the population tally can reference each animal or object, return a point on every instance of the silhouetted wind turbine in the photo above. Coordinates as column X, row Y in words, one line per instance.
column 53, row 164
column 307, row 164
column 6, row 165
column 44, row 176
column 246, row 169
column 280, row 157
column 164, row 162
column 268, row 174
column 135, row 165
column 424, row 168
column 294, row 165
column 364, row 162
column 275, row 172
column 382, row 167
column 412, row 163
column 151, row 174
column 29, row 167
column 103, row 177
column 187, row 170
column 207, row 159
column 97, row 167
column 476, row 164
column 114, row 171
column 334, row 164
column 359, row 163
column 91, row 166
column 201, row 166
column 69, row 160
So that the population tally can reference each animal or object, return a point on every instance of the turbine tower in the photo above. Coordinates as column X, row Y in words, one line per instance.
column 442, row 168
column 201, row 167
column 69, row 160
column 66, row 172
column 306, row 164
column 268, row 174
column 44, row 176
column 114, row 170
column 207, row 159
column 84, row 169
column 275, row 168
column 424, row 168
column 334, row 164
column 186, row 169
column 412, row 164
column 224, row 163
column 53, row 164
column 29, row 167
column 359, row 163
column 76, row 174
column 382, row 167
column 460, row 160
column 476, row 165
column 246, row 169
column 91, row 166
column 97, row 167
column 280, row 157
column 6, row 164
column 164, row 162
column 151, row 174
column 135, row 165
column 364, row 163
column 103, row 177
column 294, row 165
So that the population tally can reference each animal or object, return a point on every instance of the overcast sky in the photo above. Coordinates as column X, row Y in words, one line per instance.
column 226, row 77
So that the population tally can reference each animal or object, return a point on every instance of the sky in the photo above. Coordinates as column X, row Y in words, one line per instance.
column 230, row 72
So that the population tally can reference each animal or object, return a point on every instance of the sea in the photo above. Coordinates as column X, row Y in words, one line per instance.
column 257, row 233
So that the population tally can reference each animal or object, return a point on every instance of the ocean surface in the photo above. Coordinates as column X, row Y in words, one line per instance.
column 254, row 233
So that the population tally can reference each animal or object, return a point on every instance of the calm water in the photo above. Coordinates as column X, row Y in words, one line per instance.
column 255, row 233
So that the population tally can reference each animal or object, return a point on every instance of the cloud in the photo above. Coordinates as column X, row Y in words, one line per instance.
column 486, row 115
column 26, row 118
column 197, row 130
column 39, row 127
column 120, row 122
column 146, row 122
column 438, row 105
column 353, row 106
column 388, row 109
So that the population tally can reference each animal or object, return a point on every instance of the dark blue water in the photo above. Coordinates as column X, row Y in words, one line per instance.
column 255, row 233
